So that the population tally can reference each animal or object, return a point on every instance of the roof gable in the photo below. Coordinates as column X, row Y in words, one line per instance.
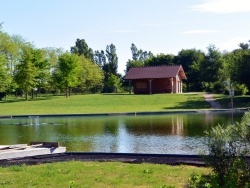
column 155, row 72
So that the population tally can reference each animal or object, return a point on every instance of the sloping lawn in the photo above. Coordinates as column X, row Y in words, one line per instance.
column 102, row 103
column 238, row 101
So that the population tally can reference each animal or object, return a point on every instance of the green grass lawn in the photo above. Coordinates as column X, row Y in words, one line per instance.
column 238, row 101
column 102, row 103
column 97, row 174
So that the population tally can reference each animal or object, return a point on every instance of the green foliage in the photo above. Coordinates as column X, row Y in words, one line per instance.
column 160, row 59
column 228, row 145
column 26, row 72
column 110, row 69
column 218, row 87
column 66, row 74
column 191, row 60
column 114, row 82
column 82, row 48
column 240, row 89
column 5, row 77
column 91, row 75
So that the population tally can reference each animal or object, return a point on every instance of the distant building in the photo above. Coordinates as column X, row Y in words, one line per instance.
column 156, row 79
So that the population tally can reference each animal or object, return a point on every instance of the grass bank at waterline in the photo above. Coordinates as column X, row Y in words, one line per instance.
column 102, row 103
column 97, row 174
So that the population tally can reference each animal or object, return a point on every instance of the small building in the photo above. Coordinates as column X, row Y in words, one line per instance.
column 156, row 79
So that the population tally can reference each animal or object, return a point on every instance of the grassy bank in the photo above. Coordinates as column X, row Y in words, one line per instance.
column 96, row 174
column 238, row 101
column 102, row 103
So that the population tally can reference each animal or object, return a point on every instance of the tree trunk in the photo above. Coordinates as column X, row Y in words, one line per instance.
column 67, row 90
column 26, row 95
column 32, row 94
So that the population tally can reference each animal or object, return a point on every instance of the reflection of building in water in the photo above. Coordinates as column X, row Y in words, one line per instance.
column 177, row 126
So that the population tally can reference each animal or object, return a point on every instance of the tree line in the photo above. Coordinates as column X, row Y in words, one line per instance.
column 26, row 70
column 213, row 71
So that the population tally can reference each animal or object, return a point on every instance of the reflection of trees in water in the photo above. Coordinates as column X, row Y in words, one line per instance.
column 162, row 125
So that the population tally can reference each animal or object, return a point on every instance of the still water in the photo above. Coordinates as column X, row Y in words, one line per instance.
column 163, row 134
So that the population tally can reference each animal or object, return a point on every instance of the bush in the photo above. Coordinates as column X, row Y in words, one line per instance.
column 239, row 89
column 228, row 147
column 218, row 87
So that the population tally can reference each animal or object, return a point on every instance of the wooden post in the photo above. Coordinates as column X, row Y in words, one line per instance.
column 172, row 85
column 130, row 87
column 150, row 86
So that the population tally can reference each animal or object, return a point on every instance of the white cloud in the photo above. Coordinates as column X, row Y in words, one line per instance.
column 223, row 6
column 200, row 32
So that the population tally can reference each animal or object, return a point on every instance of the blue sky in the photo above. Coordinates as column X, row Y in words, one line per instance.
column 159, row 26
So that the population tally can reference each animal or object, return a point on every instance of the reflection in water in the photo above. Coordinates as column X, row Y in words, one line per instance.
column 177, row 126
column 172, row 133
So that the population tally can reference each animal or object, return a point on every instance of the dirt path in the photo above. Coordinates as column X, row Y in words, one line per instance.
column 210, row 99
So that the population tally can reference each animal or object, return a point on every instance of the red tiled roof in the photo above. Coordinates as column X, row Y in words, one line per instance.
column 155, row 72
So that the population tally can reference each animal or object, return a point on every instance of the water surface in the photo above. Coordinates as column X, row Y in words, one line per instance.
column 163, row 134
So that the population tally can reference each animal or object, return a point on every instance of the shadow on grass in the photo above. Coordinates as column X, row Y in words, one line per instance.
column 191, row 105
column 238, row 101
column 15, row 100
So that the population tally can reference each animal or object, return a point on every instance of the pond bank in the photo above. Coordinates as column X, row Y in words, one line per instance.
column 128, row 113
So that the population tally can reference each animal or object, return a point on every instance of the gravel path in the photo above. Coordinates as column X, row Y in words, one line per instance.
column 210, row 99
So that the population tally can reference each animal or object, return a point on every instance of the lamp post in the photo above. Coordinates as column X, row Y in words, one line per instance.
column 231, row 93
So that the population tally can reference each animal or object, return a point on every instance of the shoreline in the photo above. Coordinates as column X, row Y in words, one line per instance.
column 141, row 113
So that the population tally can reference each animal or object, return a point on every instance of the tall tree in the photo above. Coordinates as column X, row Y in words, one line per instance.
column 238, row 63
column 191, row 60
column 100, row 58
column 112, row 59
column 211, row 67
column 26, row 72
column 67, row 72
column 41, row 62
column 91, row 75
column 160, row 59
column 139, row 58
column 110, row 68
column 82, row 48
column 5, row 77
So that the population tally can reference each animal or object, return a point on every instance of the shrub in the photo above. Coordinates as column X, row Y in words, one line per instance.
column 228, row 147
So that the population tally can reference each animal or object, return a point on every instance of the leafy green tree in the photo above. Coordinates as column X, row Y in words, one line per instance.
column 67, row 72
column 191, row 60
column 114, row 82
column 212, row 68
column 91, row 75
column 42, row 65
column 238, row 66
column 112, row 59
column 26, row 72
column 5, row 77
column 82, row 48
column 160, row 59
column 139, row 57
column 110, row 68
column 100, row 58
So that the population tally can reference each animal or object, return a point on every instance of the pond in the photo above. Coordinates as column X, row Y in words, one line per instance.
column 181, row 133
